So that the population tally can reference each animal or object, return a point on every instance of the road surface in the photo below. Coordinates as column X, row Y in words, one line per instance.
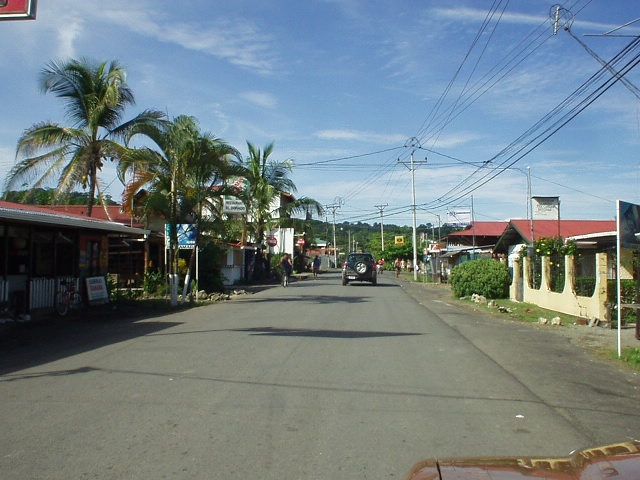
column 312, row 381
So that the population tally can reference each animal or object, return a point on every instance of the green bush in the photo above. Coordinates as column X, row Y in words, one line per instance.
column 153, row 282
column 629, row 290
column 486, row 277
column 585, row 286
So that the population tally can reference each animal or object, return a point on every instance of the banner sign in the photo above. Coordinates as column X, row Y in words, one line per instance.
column 435, row 248
column 629, row 224
column 232, row 204
column 546, row 208
column 186, row 235
column 97, row 292
column 459, row 218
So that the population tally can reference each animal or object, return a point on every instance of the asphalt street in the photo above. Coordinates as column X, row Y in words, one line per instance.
column 313, row 381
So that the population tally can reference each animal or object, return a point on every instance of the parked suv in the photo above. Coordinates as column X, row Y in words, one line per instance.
column 359, row 267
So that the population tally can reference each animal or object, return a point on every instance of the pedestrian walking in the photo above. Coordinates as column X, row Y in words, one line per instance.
column 316, row 266
column 287, row 268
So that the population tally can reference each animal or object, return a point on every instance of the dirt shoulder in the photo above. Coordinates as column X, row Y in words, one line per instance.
column 599, row 342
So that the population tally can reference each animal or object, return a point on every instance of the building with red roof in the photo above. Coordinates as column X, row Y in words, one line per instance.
column 519, row 232
column 41, row 247
column 478, row 234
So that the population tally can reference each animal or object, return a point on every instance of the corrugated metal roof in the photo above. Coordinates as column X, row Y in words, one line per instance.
column 486, row 229
column 42, row 216
column 562, row 228
column 111, row 213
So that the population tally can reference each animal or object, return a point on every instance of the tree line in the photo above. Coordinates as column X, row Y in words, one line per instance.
column 181, row 174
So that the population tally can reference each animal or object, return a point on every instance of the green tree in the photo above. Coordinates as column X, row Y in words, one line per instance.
column 268, row 179
column 95, row 97
column 183, row 180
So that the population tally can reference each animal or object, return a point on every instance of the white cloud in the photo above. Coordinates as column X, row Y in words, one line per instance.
column 67, row 34
column 262, row 99
column 475, row 15
column 233, row 40
column 369, row 137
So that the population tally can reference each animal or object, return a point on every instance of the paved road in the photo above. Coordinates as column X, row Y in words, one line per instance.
column 313, row 381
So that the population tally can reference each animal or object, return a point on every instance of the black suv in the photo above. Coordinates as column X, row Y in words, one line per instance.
column 359, row 267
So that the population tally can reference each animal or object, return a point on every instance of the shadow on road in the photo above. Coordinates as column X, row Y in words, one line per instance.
column 291, row 297
column 28, row 345
column 322, row 333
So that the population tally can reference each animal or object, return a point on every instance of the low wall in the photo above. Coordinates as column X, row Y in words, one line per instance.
column 568, row 302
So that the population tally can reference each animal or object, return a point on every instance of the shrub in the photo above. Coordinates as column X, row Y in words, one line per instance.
column 153, row 282
column 585, row 286
column 489, row 278
column 629, row 290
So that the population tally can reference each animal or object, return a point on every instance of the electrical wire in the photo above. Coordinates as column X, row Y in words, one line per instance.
column 542, row 130
column 576, row 102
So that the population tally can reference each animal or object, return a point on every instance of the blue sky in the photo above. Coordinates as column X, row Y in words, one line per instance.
column 342, row 86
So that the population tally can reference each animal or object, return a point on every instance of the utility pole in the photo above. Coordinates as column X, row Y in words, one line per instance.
column 333, row 207
column 414, row 143
column 381, row 209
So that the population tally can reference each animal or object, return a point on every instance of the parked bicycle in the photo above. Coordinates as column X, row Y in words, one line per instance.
column 68, row 298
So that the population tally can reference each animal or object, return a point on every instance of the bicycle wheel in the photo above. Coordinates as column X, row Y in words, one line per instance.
column 76, row 301
column 62, row 303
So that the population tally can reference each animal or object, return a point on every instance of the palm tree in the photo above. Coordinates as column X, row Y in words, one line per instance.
column 268, row 180
column 95, row 97
column 182, row 181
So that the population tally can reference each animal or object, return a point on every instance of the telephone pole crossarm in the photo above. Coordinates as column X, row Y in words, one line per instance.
column 381, row 210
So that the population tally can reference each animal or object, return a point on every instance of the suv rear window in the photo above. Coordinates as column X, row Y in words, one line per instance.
column 355, row 257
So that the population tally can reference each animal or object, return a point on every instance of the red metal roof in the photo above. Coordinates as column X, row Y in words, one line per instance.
column 45, row 215
column 115, row 214
column 562, row 228
column 482, row 229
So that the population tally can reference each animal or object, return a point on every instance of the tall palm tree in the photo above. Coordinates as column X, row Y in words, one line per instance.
column 183, row 180
column 95, row 97
column 268, row 179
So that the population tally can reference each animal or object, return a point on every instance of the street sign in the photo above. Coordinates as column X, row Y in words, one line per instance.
column 272, row 241
column 17, row 9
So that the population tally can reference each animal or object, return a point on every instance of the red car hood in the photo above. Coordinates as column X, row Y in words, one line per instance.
column 620, row 461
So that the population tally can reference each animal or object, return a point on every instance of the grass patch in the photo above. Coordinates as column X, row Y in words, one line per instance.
column 630, row 356
column 528, row 312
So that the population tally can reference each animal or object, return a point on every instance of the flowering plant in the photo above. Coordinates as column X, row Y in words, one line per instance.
column 552, row 246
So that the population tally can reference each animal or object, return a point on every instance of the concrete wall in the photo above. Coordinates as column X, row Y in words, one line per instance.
column 566, row 302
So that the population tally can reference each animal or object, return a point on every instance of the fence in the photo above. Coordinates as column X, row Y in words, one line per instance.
column 566, row 301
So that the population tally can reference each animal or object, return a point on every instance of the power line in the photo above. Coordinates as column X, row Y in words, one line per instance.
column 576, row 102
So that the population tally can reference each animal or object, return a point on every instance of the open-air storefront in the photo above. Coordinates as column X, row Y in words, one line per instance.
column 39, row 250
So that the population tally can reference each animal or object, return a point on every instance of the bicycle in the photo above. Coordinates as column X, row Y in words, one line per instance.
column 68, row 298
column 285, row 277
